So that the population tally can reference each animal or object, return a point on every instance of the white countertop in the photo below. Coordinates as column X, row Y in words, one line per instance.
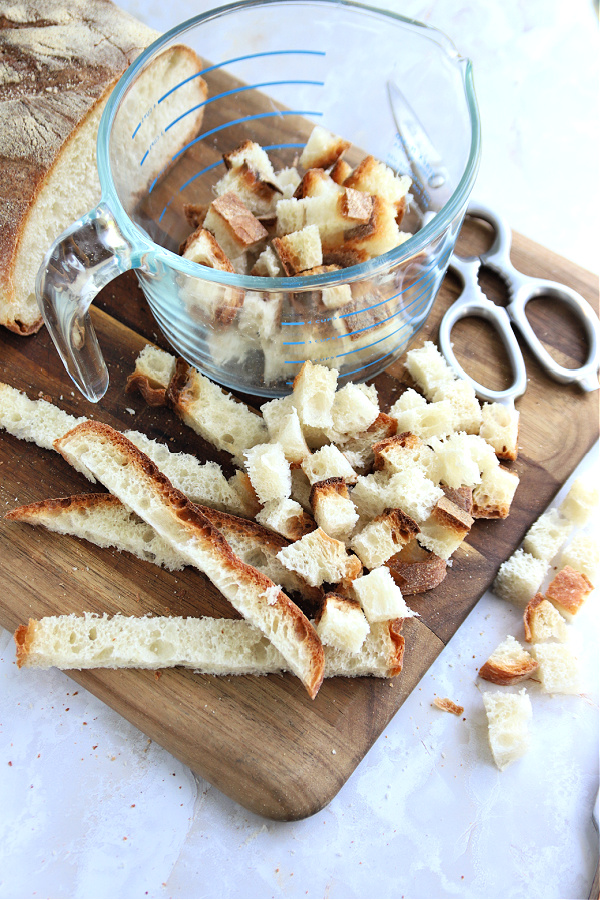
column 90, row 808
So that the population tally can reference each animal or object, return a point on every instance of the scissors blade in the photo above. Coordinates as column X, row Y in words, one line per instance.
column 429, row 173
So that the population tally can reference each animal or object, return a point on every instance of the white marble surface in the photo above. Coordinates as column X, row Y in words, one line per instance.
column 90, row 808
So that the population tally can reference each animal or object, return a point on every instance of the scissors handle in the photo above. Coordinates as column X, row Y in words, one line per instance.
column 524, row 288
column 473, row 302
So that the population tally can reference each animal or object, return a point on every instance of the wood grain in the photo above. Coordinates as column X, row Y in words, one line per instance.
column 261, row 740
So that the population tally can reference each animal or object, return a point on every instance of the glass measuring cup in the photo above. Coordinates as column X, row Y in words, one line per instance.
column 273, row 69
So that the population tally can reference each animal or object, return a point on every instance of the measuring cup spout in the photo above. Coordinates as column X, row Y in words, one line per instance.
column 88, row 255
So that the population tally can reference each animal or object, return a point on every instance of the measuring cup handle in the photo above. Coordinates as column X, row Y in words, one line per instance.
column 85, row 257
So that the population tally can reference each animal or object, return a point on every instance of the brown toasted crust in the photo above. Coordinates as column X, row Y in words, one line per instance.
column 461, row 497
column 449, row 515
column 326, row 488
column 447, row 705
column 331, row 154
column 356, row 205
column 416, row 570
column 338, row 600
column 152, row 394
column 30, row 512
column 406, row 440
column 210, row 251
column 344, row 257
column 505, row 673
column 398, row 643
column 340, row 171
column 24, row 636
column 310, row 181
column 530, row 614
column 198, row 526
column 242, row 225
column 569, row 589
column 252, row 181
column 403, row 528
column 195, row 213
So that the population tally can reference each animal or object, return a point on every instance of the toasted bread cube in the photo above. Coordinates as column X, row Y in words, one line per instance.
column 252, row 153
column 509, row 663
column 421, row 418
column 558, row 668
column 315, row 183
column 445, row 529
column 354, row 409
column 322, row 149
column 156, row 365
column 234, row 226
column 328, row 462
column 289, row 435
column 342, row 623
column 269, row 472
column 288, row 180
column 580, row 502
column 500, row 428
column 508, row 718
column 203, row 248
column 375, row 177
column 299, row 250
column 401, row 453
column 429, row 369
column 465, row 405
column 547, row 535
column 291, row 216
column 542, row 622
column 380, row 233
column 257, row 192
column 519, row 578
column 568, row 591
column 583, row 555
column 318, row 558
column 286, row 517
column 356, row 205
column 493, row 496
column 313, row 393
column 384, row 537
column 333, row 509
column 340, row 171
column 380, row 596
column 267, row 265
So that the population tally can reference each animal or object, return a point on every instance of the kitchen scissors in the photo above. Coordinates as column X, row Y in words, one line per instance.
column 522, row 288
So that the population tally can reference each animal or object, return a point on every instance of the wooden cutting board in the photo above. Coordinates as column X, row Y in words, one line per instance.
column 262, row 740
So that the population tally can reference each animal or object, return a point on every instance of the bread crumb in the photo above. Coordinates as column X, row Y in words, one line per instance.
column 447, row 705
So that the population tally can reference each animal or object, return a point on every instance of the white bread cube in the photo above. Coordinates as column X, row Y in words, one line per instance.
column 258, row 195
column 236, row 229
column 493, row 496
column 328, row 462
column 289, row 435
column 412, row 492
column 380, row 596
column 288, row 180
column 156, row 365
column 333, row 509
column 319, row 558
column 508, row 718
column 269, row 472
column 286, row 517
column 568, row 591
column 359, row 449
column 249, row 504
column 429, row 369
column 267, row 264
column 580, row 502
column 558, row 668
column 423, row 419
column 368, row 495
column 383, row 537
column 251, row 153
column 322, row 149
column 380, row 234
column 355, row 407
column 291, row 216
column 342, row 623
column 274, row 412
column 314, row 393
column 445, row 529
column 336, row 297
column 299, row 250
column 258, row 317
column 547, row 535
column 500, row 428
column 465, row 405
column 583, row 555
column 402, row 453
column 454, row 464
column 542, row 622
column 519, row 578
column 374, row 177
column 509, row 663
column 316, row 183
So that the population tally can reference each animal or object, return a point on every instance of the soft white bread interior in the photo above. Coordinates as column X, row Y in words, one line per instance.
column 547, row 535
column 383, row 537
column 269, row 471
column 559, row 671
column 581, row 502
column 429, row 369
column 322, row 149
column 207, row 645
column 333, row 509
column 380, row 597
column 39, row 421
column 445, row 529
column 133, row 477
column 319, row 558
column 341, row 623
column 508, row 718
column 287, row 518
column 583, row 555
column 509, row 663
column 314, row 393
column 493, row 496
column 519, row 578
column 328, row 462
column 542, row 622
column 500, row 428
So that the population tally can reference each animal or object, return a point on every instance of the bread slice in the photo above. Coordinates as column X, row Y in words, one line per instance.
column 542, row 622
column 63, row 61
column 519, row 578
column 341, row 623
column 209, row 646
column 508, row 718
column 133, row 477
column 509, row 663
column 568, row 591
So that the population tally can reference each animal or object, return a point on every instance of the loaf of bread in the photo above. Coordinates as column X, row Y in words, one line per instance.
column 60, row 62
column 133, row 477
column 209, row 646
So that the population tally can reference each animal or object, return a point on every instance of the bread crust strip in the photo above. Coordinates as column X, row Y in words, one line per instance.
column 137, row 482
